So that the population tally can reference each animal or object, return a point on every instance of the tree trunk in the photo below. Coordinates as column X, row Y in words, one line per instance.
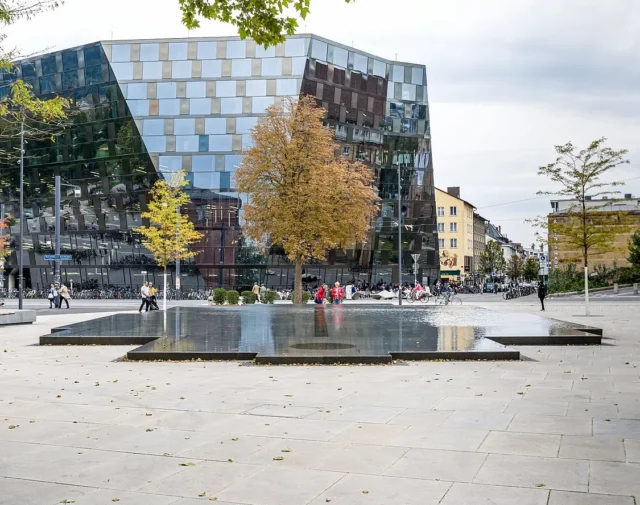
column 164, row 291
column 297, row 286
column 586, row 284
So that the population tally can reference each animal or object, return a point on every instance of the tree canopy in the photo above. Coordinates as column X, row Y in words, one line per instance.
column 634, row 249
column 300, row 195
column 589, row 225
column 267, row 22
column 531, row 269
column 170, row 232
column 515, row 267
column 492, row 259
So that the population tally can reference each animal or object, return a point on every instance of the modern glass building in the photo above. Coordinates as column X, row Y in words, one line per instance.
column 147, row 108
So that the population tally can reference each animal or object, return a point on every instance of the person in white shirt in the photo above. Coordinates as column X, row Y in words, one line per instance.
column 144, row 295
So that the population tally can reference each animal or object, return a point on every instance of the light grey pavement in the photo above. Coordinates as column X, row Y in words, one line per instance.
column 563, row 428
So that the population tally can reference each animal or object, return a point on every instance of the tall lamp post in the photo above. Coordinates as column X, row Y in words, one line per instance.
column 399, row 236
column 21, row 232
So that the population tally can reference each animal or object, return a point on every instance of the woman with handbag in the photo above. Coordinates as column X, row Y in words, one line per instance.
column 53, row 293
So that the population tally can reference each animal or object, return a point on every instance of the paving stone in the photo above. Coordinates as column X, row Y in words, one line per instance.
column 421, row 417
column 524, row 444
column 550, row 424
column 383, row 491
column 238, row 448
column 537, row 407
column 357, row 458
column 477, row 420
column 479, row 494
column 30, row 492
column 632, row 450
column 568, row 498
column 624, row 428
column 528, row 471
column 280, row 486
column 475, row 403
column 439, row 438
column 307, row 429
column 366, row 414
column 614, row 478
column 378, row 434
column 593, row 448
column 592, row 409
column 107, row 497
column 282, row 411
column 438, row 465
column 297, row 453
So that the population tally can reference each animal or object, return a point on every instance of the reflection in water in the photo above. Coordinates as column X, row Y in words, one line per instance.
column 339, row 329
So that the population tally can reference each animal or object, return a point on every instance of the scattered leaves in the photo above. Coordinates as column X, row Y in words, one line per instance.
column 540, row 484
column 278, row 458
column 202, row 494
column 364, row 491
column 235, row 439
column 286, row 450
column 231, row 460
column 13, row 426
column 187, row 463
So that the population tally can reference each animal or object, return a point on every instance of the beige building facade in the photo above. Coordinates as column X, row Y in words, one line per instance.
column 455, row 234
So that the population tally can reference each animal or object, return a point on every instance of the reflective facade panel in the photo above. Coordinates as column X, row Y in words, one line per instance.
column 150, row 108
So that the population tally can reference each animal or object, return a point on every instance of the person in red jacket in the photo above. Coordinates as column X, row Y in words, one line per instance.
column 320, row 295
column 337, row 294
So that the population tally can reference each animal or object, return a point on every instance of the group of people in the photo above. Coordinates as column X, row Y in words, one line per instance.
column 336, row 292
column 57, row 296
column 148, row 296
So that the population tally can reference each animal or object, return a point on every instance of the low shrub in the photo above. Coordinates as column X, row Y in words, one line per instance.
column 219, row 296
column 248, row 297
column 233, row 297
column 305, row 296
column 269, row 296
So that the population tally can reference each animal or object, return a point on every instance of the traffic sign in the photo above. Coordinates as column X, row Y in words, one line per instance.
column 543, row 257
column 61, row 257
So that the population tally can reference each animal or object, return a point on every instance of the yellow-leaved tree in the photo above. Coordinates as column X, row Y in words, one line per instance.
column 170, row 232
column 300, row 195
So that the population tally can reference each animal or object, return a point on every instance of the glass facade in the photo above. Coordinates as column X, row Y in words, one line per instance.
column 149, row 108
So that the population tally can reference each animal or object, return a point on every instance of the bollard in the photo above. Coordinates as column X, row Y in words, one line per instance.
column 635, row 288
column 616, row 288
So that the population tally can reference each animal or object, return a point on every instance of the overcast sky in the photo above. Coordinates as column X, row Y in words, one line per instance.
column 508, row 79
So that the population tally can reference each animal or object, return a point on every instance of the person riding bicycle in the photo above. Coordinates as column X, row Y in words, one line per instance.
column 446, row 291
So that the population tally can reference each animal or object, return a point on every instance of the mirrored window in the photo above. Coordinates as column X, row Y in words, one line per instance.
column 121, row 52
column 256, row 87
column 93, row 75
column 285, row 87
column 178, row 50
column 244, row 124
column 187, row 143
column 69, row 60
column 29, row 69
column 232, row 162
column 186, row 126
column 236, row 49
column 340, row 57
column 203, row 163
column 181, row 69
column 170, row 163
column 360, row 63
column 137, row 90
column 203, row 143
column 92, row 55
column 152, row 70
column 138, row 107
column 215, row 126
column 241, row 68
column 49, row 65
column 247, row 142
column 169, row 107
column 207, row 50
column 155, row 144
column 295, row 47
column 225, row 88
column 319, row 50
column 47, row 84
column 166, row 90
column 260, row 103
column 212, row 68
column 408, row 92
column 298, row 65
column 379, row 68
column 123, row 71
column 416, row 76
column 196, row 89
column 153, row 127
column 205, row 180
column 220, row 143
column 149, row 52
column 398, row 73
column 200, row 106
column 272, row 66
column 269, row 52
column 70, row 79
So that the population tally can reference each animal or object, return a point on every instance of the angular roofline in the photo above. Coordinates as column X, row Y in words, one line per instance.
column 456, row 197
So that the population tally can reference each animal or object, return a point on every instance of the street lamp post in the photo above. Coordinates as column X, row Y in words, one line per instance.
column 399, row 237
column 21, row 232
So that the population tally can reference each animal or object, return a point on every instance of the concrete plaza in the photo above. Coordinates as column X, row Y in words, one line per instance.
column 79, row 425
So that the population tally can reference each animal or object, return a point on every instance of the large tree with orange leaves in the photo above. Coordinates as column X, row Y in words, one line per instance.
column 301, row 196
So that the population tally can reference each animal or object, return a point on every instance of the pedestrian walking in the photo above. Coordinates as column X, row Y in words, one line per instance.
column 542, row 293
column 320, row 296
column 64, row 296
column 256, row 291
column 153, row 303
column 337, row 294
column 144, row 295
column 53, row 293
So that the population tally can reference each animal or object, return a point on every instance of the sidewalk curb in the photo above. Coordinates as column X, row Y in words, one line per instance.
column 594, row 290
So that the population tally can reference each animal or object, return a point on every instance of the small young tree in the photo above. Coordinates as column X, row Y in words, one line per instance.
column 634, row 249
column 531, row 269
column 301, row 197
column 515, row 268
column 492, row 259
column 586, row 226
column 171, row 232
